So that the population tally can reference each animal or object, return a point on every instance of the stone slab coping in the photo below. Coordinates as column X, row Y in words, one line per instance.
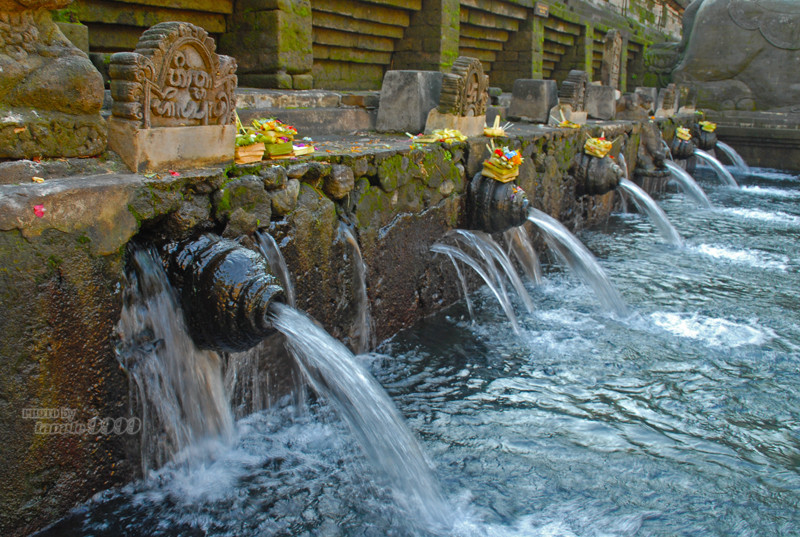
column 362, row 143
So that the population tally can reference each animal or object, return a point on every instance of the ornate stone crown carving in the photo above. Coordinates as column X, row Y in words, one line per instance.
column 173, row 78
column 465, row 89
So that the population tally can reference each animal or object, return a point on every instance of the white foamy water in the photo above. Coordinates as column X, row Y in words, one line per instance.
column 777, row 217
column 716, row 332
column 771, row 191
column 754, row 258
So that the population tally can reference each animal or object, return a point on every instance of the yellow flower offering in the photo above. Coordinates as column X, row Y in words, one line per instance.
column 683, row 133
column 597, row 147
column 708, row 126
column 502, row 164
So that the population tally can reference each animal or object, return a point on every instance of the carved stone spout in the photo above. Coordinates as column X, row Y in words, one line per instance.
column 225, row 290
column 493, row 206
column 595, row 176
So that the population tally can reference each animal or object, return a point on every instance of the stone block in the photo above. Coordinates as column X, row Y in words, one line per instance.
column 601, row 102
column 302, row 82
column 467, row 125
column 161, row 148
column 270, row 40
column 261, row 80
column 406, row 99
column 533, row 99
column 78, row 34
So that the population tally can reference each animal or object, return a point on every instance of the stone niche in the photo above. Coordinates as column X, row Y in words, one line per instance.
column 50, row 93
column 174, row 104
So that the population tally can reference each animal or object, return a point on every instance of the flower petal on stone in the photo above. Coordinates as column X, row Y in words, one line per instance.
column 38, row 210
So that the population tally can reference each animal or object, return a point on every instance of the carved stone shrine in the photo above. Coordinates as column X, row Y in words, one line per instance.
column 50, row 94
column 174, row 101
column 462, row 102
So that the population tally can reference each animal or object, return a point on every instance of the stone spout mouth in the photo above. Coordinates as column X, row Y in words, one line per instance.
column 493, row 206
column 225, row 291
column 595, row 176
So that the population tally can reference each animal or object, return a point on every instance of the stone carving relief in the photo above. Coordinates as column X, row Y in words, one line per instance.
column 50, row 93
column 465, row 90
column 173, row 78
column 778, row 21
column 742, row 54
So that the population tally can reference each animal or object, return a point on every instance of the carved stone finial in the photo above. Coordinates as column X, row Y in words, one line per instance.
column 465, row 90
column 174, row 100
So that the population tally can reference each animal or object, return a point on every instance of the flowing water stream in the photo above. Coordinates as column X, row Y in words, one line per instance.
column 687, row 184
column 717, row 166
column 647, row 205
column 682, row 419
column 734, row 156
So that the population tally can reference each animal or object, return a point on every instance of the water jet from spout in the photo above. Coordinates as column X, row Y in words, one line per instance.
column 717, row 166
column 687, row 183
column 577, row 257
column 735, row 157
column 390, row 446
column 647, row 205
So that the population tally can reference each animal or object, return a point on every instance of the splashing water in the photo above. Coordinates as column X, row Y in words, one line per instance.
column 647, row 205
column 179, row 387
column 720, row 170
column 577, row 257
column 385, row 438
column 687, row 183
column 270, row 250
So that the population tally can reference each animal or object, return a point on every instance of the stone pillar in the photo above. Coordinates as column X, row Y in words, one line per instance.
column 521, row 57
column 271, row 42
column 50, row 94
column 610, row 72
column 430, row 42
column 623, row 66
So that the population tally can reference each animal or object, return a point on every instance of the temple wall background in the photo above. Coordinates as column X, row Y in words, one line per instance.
column 350, row 44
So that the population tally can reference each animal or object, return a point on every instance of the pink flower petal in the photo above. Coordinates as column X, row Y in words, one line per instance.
column 173, row 173
column 38, row 210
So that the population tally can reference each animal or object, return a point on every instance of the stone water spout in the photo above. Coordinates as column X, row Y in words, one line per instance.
column 493, row 206
column 225, row 289
column 595, row 176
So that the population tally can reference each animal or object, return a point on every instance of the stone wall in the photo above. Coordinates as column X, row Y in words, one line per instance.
column 63, row 253
column 350, row 44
